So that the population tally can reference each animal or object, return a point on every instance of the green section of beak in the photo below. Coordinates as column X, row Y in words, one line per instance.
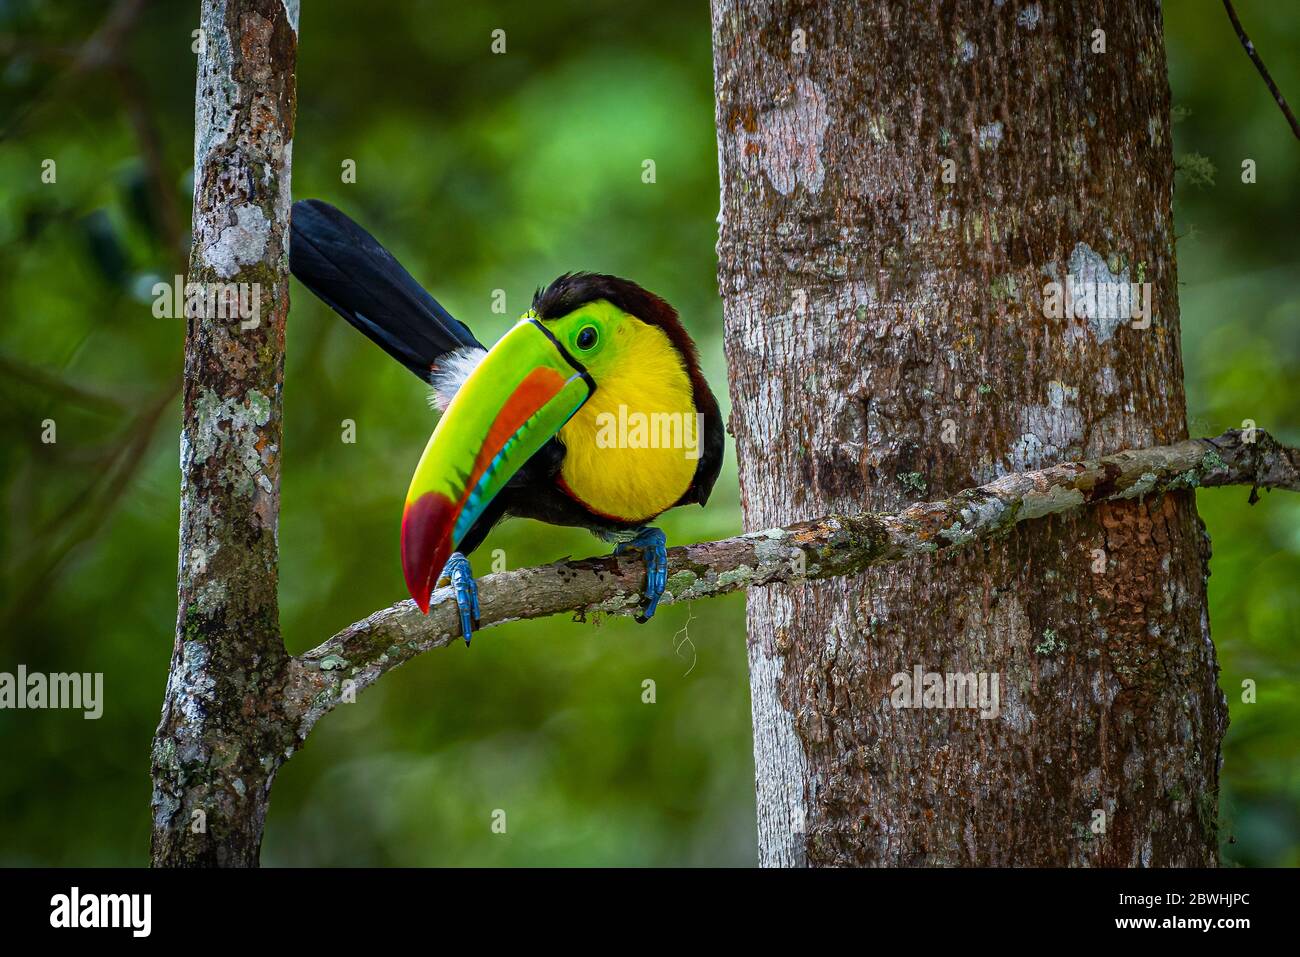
column 523, row 392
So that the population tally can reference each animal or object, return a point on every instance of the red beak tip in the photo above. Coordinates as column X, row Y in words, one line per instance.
column 421, row 593
column 426, row 543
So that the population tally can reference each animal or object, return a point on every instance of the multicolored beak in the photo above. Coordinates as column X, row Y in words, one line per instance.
column 523, row 392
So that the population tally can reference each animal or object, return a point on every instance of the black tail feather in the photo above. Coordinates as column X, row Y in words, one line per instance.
column 360, row 280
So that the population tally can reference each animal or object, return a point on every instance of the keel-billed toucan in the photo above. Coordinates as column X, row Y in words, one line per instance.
column 591, row 411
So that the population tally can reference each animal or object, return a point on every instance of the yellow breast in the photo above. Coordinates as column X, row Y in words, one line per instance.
column 632, row 449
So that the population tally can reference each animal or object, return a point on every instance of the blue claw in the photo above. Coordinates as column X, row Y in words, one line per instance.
column 653, row 546
column 465, row 589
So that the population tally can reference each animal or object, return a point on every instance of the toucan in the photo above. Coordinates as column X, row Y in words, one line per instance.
column 591, row 411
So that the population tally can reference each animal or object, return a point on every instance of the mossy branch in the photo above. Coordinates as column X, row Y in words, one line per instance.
column 835, row 545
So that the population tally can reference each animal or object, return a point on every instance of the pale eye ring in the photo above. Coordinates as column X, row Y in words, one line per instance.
column 586, row 340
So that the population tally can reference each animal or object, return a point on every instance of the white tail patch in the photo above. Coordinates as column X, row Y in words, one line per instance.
column 450, row 373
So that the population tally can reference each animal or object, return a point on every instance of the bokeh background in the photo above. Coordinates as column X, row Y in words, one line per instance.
column 487, row 172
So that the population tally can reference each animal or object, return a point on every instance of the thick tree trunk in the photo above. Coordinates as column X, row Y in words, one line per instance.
column 887, row 341
column 223, row 735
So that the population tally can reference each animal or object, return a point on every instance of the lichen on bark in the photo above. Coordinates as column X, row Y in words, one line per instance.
column 222, row 729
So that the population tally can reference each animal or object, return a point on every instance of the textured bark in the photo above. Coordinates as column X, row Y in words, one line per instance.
column 886, row 336
column 222, row 734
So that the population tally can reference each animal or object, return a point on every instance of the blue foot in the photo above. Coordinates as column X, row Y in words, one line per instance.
column 652, row 545
column 466, row 591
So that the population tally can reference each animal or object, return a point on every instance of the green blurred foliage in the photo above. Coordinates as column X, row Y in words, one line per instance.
column 487, row 172
column 1238, row 262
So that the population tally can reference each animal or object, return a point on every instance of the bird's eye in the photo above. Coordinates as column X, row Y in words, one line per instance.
column 587, row 338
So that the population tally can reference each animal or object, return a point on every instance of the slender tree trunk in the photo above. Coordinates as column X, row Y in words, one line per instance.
column 223, row 735
column 899, row 183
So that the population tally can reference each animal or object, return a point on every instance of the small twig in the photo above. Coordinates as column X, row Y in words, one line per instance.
column 71, row 392
column 1263, row 70
column 685, row 631
column 87, row 512
column 149, row 137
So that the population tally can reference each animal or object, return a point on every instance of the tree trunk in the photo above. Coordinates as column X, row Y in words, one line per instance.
column 223, row 735
column 889, row 339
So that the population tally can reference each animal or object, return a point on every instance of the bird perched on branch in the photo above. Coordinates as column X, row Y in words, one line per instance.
column 590, row 412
